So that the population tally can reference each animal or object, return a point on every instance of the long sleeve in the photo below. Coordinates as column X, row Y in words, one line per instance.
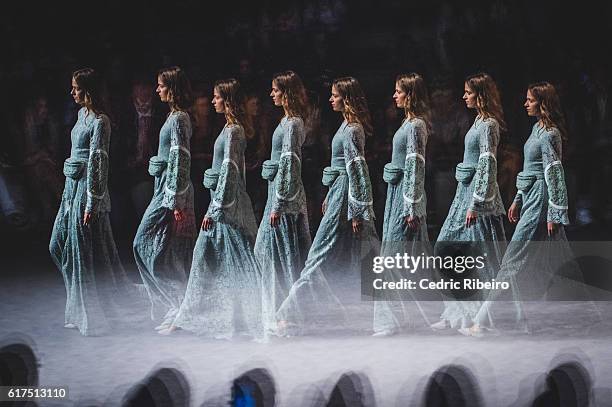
column 97, row 166
column 359, row 189
column 413, row 183
column 554, row 178
column 179, row 163
column 288, row 178
column 486, row 170
column 224, row 196
column 518, row 198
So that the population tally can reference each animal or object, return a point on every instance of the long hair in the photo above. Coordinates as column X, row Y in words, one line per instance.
column 417, row 96
column 234, row 100
column 488, row 101
column 295, row 99
column 551, row 113
column 90, row 83
column 355, row 103
column 179, row 88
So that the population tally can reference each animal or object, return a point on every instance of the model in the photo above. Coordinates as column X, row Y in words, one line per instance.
column 346, row 236
column 82, row 245
column 283, row 239
column 164, row 241
column 476, row 213
column 223, row 297
column 539, row 211
column 405, row 227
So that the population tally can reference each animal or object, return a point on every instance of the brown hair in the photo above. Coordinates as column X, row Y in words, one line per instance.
column 294, row 93
column 355, row 103
column 551, row 113
column 488, row 101
column 417, row 96
column 90, row 82
column 179, row 95
column 234, row 100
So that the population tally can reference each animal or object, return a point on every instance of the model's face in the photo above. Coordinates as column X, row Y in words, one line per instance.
column 202, row 106
column 469, row 96
column 400, row 97
column 532, row 105
column 218, row 102
column 337, row 102
column 276, row 94
column 77, row 93
column 162, row 90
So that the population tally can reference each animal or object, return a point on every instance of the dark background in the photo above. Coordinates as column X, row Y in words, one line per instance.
column 517, row 42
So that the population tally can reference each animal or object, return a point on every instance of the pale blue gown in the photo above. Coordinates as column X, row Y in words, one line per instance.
column 331, row 277
column 163, row 246
column 533, row 259
column 477, row 189
column 282, row 250
column 405, row 175
column 87, row 257
column 223, row 297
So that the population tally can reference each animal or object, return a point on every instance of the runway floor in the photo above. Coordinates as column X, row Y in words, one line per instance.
column 508, row 369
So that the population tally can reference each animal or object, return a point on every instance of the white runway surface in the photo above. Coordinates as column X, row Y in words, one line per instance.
column 507, row 368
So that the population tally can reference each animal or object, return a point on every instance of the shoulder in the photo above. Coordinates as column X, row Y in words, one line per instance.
column 234, row 131
column 418, row 124
column 354, row 129
column 488, row 124
column 101, row 121
column 294, row 123
column 180, row 117
column 551, row 134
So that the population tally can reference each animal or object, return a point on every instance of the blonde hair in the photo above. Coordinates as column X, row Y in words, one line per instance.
column 355, row 103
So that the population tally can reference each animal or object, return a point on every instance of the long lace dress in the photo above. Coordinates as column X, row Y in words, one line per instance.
column 163, row 246
column 282, row 250
column 405, row 175
column 331, row 279
column 86, row 255
column 223, row 297
column 477, row 190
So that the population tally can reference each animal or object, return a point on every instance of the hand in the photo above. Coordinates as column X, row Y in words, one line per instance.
column 412, row 222
column 207, row 223
column 178, row 215
column 514, row 213
column 324, row 207
column 551, row 227
column 274, row 219
column 86, row 218
column 356, row 225
column 470, row 218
